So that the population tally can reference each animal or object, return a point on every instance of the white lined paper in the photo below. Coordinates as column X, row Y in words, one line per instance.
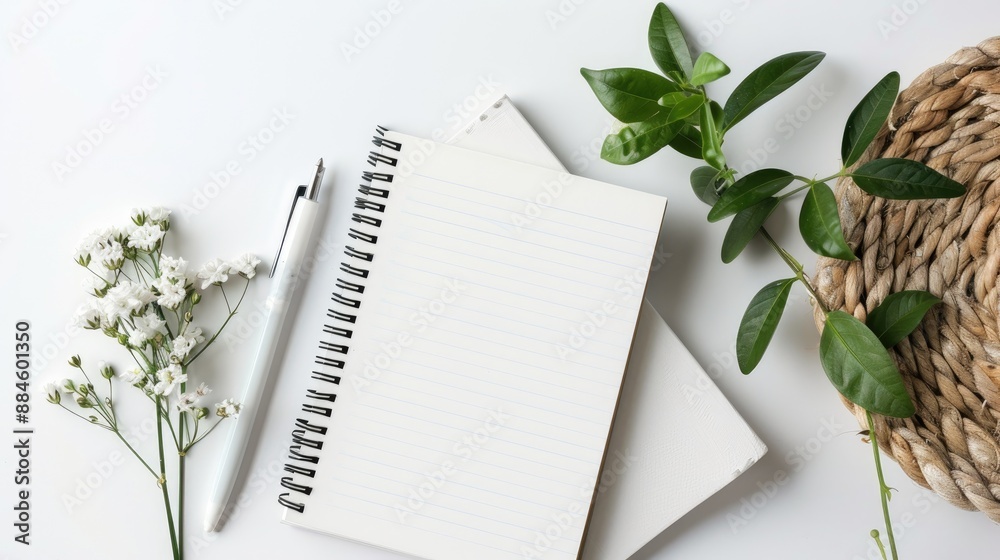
column 487, row 358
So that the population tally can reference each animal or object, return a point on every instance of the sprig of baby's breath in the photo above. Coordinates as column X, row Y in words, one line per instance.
column 147, row 301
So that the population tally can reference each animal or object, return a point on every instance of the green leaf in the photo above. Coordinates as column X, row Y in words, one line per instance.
column 861, row 368
column 718, row 116
column 744, row 226
column 759, row 322
column 748, row 191
column 904, row 179
column 819, row 224
column 685, row 108
column 867, row 118
column 671, row 99
column 711, row 141
column 898, row 314
column 687, row 142
column 637, row 141
column 704, row 182
column 707, row 69
column 667, row 44
column 629, row 94
column 767, row 81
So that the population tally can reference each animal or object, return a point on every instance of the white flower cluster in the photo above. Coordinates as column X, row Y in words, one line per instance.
column 146, row 300
column 120, row 305
column 217, row 271
column 172, row 285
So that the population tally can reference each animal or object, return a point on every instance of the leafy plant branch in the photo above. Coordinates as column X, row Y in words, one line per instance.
column 673, row 108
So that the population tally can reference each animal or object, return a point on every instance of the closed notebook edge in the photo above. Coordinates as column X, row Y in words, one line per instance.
column 631, row 510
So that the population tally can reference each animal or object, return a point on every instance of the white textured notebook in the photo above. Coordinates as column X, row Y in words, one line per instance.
column 462, row 402
column 676, row 439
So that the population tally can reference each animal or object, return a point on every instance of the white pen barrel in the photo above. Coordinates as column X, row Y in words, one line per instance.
column 297, row 240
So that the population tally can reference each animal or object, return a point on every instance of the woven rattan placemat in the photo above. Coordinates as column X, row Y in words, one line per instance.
column 949, row 118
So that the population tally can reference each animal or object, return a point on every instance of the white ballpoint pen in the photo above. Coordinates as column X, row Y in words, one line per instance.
column 285, row 271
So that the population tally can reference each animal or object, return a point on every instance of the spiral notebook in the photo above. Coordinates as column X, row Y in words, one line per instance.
column 474, row 356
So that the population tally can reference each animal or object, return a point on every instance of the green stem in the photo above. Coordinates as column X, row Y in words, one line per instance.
column 884, row 490
column 796, row 267
column 180, row 506
column 136, row 453
column 796, row 190
column 162, row 481
column 204, row 435
column 182, row 421
column 85, row 419
column 224, row 323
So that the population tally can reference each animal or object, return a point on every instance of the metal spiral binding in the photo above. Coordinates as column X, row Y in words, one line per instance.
column 307, row 436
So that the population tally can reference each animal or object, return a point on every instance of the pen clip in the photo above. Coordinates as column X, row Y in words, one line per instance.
column 299, row 193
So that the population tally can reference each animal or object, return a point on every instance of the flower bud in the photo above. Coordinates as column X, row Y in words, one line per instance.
column 83, row 389
column 75, row 361
column 123, row 339
column 67, row 386
column 200, row 413
column 195, row 298
column 52, row 393
column 188, row 317
column 83, row 402
column 107, row 372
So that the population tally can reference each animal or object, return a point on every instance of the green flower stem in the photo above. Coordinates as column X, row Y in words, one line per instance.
column 884, row 491
column 136, row 453
column 181, row 421
column 162, row 482
column 109, row 416
column 111, row 400
column 85, row 419
column 232, row 313
column 878, row 543
column 203, row 436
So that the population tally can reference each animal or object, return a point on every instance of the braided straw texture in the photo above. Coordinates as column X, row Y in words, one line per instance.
column 948, row 118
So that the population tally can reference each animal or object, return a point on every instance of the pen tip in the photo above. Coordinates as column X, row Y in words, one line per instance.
column 319, row 163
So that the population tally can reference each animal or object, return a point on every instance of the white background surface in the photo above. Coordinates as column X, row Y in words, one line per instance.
column 223, row 76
